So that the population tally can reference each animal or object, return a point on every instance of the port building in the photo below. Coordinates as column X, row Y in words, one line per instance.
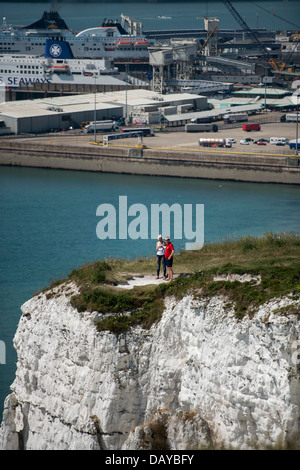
column 56, row 113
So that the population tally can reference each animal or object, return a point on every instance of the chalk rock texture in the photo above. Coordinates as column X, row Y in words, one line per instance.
column 199, row 378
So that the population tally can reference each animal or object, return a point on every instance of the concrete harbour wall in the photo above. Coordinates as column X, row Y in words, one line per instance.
column 218, row 165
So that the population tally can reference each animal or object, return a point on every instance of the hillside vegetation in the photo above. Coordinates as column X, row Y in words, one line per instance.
column 274, row 258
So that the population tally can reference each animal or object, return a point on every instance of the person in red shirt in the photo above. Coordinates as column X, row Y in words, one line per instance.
column 169, row 252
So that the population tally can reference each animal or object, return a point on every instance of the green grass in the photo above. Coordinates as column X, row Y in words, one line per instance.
column 94, row 273
column 275, row 257
column 133, row 307
column 247, row 296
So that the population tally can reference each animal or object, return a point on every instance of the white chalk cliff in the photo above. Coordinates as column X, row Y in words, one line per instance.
column 206, row 377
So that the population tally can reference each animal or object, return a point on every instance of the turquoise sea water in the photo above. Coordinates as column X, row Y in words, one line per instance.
column 270, row 14
column 48, row 226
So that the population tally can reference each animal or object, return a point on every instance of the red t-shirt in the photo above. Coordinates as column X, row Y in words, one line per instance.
column 168, row 250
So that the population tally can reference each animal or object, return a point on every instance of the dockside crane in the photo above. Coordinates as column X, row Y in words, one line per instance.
column 288, row 58
column 246, row 28
column 206, row 41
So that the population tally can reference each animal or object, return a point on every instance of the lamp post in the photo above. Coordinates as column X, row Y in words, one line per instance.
column 264, row 81
column 265, row 94
column 126, row 89
column 297, row 126
column 126, row 93
column 295, row 100
column 95, row 107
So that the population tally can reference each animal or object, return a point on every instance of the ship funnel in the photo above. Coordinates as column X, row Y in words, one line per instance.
column 58, row 49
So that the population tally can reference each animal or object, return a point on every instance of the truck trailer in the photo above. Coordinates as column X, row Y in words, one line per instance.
column 292, row 117
column 101, row 126
column 215, row 143
column 295, row 144
column 200, row 120
column 201, row 128
column 251, row 127
column 228, row 118
column 147, row 131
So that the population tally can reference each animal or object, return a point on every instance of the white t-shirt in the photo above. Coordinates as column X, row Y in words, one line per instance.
column 160, row 251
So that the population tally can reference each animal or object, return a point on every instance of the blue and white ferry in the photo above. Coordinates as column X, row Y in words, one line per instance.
column 59, row 66
column 110, row 40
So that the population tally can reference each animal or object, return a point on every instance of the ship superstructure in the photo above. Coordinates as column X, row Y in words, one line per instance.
column 58, row 65
column 110, row 40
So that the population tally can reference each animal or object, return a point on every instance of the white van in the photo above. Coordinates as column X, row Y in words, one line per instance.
column 280, row 140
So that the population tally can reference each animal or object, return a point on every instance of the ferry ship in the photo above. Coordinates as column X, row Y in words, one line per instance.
column 58, row 65
column 110, row 40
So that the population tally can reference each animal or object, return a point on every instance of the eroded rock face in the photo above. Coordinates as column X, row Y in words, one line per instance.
column 221, row 382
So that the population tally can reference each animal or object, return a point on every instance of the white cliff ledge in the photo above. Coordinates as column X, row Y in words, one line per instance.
column 199, row 378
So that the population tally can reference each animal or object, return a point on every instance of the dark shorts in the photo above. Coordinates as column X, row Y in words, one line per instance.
column 169, row 262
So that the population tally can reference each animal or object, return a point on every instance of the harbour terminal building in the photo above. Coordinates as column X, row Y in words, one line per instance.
column 44, row 115
column 135, row 107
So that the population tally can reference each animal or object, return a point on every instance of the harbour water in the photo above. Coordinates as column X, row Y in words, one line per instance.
column 48, row 226
column 157, row 15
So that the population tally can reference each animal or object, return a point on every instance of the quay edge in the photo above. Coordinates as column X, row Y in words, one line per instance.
column 142, row 161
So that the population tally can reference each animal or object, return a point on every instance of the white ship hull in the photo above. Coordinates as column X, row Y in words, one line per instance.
column 17, row 71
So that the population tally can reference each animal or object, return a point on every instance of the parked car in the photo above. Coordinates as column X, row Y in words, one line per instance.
column 248, row 139
column 244, row 142
column 261, row 143
column 261, row 140
column 233, row 141
column 276, row 140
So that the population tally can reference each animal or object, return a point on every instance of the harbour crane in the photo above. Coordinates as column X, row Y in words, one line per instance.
column 288, row 58
column 246, row 28
column 207, row 39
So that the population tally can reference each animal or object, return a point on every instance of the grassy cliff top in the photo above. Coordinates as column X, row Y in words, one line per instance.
column 274, row 258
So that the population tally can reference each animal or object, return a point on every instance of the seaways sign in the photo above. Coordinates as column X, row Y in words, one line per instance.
column 15, row 82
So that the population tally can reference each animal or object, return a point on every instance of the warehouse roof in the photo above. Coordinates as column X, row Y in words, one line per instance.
column 262, row 91
column 232, row 101
column 26, row 108
column 85, row 102
column 279, row 103
column 199, row 114
column 247, row 108
column 213, row 113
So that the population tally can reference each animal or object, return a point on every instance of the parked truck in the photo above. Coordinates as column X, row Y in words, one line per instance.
column 201, row 128
column 147, row 131
column 200, row 120
column 295, row 144
column 251, row 127
column 215, row 143
column 100, row 126
column 292, row 117
column 228, row 118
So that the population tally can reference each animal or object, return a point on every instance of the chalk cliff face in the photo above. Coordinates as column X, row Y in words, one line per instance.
column 200, row 376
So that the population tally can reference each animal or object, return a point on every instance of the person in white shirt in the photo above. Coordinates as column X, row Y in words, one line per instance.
column 160, row 253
